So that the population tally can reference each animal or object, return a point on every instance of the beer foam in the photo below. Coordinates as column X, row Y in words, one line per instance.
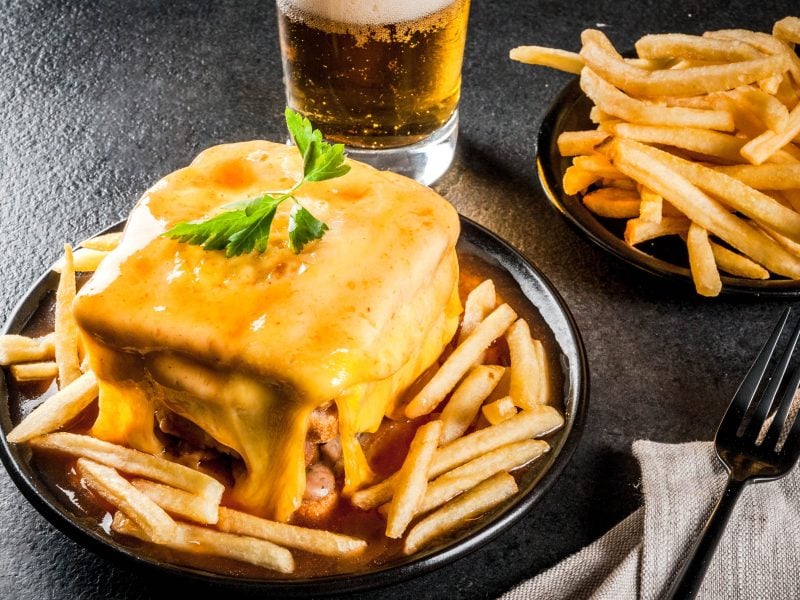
column 365, row 12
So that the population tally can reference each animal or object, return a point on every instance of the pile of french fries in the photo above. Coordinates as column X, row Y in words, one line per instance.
column 699, row 136
column 456, row 469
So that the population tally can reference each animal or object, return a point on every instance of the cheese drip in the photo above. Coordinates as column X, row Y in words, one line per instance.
column 245, row 348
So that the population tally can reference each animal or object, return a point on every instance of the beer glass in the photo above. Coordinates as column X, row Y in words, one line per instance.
column 382, row 77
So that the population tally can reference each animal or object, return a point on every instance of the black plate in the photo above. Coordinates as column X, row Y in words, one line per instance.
column 474, row 240
column 664, row 257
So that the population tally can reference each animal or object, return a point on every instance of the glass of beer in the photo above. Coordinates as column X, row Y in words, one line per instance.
column 382, row 77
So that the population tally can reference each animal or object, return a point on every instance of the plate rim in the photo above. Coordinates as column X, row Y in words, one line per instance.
column 570, row 207
column 576, row 393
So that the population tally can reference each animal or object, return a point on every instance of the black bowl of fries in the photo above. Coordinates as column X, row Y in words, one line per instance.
column 43, row 481
column 681, row 160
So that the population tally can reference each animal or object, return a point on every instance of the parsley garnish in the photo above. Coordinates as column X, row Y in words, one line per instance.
column 245, row 226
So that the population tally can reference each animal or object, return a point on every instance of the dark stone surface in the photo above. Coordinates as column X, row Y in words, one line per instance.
column 99, row 99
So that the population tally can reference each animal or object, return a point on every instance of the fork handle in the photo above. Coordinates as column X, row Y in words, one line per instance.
column 688, row 580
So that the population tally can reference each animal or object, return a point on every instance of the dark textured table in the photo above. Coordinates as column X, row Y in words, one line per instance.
column 100, row 99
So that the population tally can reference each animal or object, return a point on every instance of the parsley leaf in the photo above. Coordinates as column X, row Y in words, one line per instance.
column 303, row 228
column 245, row 226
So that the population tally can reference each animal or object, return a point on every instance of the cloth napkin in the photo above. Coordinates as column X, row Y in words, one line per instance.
column 758, row 556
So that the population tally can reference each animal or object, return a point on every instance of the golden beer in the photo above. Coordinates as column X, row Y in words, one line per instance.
column 373, row 76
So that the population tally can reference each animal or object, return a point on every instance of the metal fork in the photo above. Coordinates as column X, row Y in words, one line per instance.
column 746, row 457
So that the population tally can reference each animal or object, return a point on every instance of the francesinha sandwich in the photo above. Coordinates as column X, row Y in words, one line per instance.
column 257, row 355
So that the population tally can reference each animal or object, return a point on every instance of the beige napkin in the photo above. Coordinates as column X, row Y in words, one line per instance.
column 758, row 556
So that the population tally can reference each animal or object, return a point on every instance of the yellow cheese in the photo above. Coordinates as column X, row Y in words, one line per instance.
column 246, row 347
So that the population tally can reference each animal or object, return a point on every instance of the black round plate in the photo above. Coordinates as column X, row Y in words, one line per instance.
column 665, row 257
column 474, row 240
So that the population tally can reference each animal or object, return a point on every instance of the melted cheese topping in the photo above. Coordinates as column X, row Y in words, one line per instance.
column 245, row 348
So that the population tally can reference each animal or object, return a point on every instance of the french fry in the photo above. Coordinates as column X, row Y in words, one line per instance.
column 34, row 371
column 133, row 462
column 544, row 382
column 66, row 329
column 412, row 478
column 701, row 262
column 766, row 107
column 613, row 202
column 19, row 348
column 83, row 260
column 58, row 410
column 577, row 180
column 525, row 425
column 548, row 57
column 179, row 502
column 764, row 146
column 467, row 476
column 734, row 193
column 465, row 402
column 457, row 513
column 713, row 144
column 526, row 378
column 616, row 103
column 315, row 541
column 598, row 54
column 460, row 361
column 598, row 164
column 765, row 176
column 766, row 44
column 693, row 47
column 479, row 303
column 105, row 242
column 736, row 264
column 651, row 207
column 636, row 161
column 788, row 30
column 500, row 410
column 638, row 231
column 115, row 489
column 198, row 540
column 575, row 143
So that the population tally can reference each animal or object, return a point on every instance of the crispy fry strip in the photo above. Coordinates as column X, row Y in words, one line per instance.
column 316, row 541
column 58, row 410
column 638, row 162
column 638, row 231
column 736, row 264
column 66, row 341
column 464, row 404
column 479, row 304
column 525, row 425
column 765, row 177
column 499, row 410
column 575, row 143
column 467, row 476
column 116, row 490
column 84, row 260
column 734, row 193
column 198, row 540
column 693, row 47
column 616, row 103
column 34, row 371
column 133, row 462
column 412, row 479
column 479, row 500
column 598, row 54
column 613, row 203
column 459, row 362
column 701, row 262
column 548, row 57
column 525, row 385
column 19, row 348
column 179, row 502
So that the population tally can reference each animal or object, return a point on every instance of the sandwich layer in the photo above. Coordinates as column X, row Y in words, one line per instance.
column 246, row 347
